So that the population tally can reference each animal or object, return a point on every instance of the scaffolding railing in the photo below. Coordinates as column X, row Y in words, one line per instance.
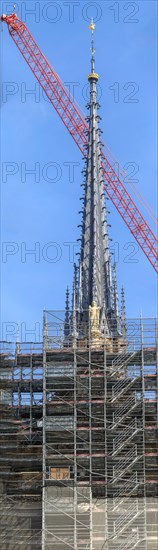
column 98, row 418
column 125, row 436
column 21, row 371
column 122, row 386
column 116, row 412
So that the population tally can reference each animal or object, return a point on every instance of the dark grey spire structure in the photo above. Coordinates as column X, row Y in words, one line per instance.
column 94, row 282
column 67, row 317
column 74, row 305
column 123, row 316
column 95, row 273
column 116, row 317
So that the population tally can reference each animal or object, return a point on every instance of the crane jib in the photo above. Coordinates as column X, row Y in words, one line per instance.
column 77, row 127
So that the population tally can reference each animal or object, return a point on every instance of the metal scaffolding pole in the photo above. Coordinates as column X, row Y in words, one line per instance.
column 99, row 453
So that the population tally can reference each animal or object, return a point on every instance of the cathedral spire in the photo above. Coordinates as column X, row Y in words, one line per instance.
column 123, row 315
column 116, row 302
column 74, row 306
column 17, row 347
column 67, row 317
column 116, row 307
column 95, row 280
column 95, row 293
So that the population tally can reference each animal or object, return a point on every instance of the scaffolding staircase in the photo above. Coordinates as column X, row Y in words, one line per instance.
column 125, row 464
column 129, row 488
column 122, row 386
column 126, row 517
column 120, row 363
column 124, row 438
column 130, row 403
column 130, row 545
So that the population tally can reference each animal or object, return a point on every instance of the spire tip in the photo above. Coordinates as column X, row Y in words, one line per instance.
column 92, row 75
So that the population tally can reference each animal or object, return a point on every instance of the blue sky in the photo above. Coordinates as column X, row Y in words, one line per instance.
column 36, row 213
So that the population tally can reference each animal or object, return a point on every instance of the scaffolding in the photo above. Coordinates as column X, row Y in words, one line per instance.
column 79, row 446
column 99, row 409
column 21, row 385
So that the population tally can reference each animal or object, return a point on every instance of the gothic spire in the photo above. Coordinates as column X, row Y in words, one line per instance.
column 116, row 302
column 95, row 264
column 116, row 308
column 74, row 305
column 67, row 317
column 123, row 315
column 17, row 346
column 94, row 286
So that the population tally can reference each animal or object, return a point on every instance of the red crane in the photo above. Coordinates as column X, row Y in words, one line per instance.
column 77, row 127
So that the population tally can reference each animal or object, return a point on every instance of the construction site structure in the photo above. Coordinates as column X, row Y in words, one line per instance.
column 21, row 389
column 79, row 411
column 79, row 446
